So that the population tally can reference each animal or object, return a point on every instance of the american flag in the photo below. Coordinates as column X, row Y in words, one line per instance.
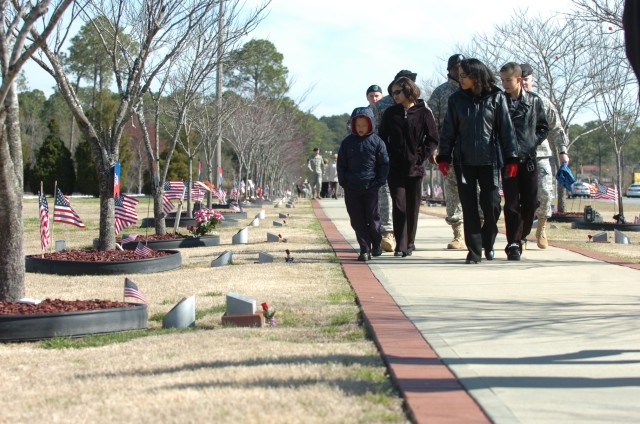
column 234, row 193
column 174, row 189
column 221, row 195
column 167, row 206
column 129, row 238
column 131, row 290
column 198, row 191
column 63, row 212
column 44, row 221
column 603, row 192
column 125, row 211
column 143, row 250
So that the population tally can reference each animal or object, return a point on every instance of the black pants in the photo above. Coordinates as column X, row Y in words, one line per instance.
column 362, row 207
column 520, row 201
column 469, row 178
column 406, row 194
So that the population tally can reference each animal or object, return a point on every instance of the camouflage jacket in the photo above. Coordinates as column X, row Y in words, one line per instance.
column 556, row 133
column 439, row 98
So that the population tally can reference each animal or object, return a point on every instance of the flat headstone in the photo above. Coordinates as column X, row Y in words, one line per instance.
column 241, row 237
column 600, row 238
column 278, row 223
column 272, row 237
column 264, row 257
column 283, row 215
column 183, row 315
column 620, row 237
column 225, row 258
column 240, row 305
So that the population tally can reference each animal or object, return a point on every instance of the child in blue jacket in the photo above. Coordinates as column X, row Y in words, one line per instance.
column 363, row 165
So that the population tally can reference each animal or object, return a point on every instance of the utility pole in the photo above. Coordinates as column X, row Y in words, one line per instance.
column 218, row 154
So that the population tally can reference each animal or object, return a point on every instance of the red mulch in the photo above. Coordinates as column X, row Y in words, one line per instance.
column 49, row 306
column 100, row 255
column 160, row 237
column 558, row 214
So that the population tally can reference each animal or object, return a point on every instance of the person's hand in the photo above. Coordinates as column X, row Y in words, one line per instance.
column 444, row 168
column 432, row 159
column 512, row 169
column 564, row 158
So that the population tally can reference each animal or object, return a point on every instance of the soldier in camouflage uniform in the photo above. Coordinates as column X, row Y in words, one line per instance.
column 316, row 166
column 438, row 104
column 556, row 142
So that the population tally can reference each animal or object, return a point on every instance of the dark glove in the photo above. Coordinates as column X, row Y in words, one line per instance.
column 512, row 169
column 444, row 168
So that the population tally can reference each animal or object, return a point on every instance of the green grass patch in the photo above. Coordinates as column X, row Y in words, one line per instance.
column 98, row 340
column 342, row 296
column 369, row 374
column 168, row 302
column 213, row 294
column 157, row 317
column 343, row 318
column 201, row 313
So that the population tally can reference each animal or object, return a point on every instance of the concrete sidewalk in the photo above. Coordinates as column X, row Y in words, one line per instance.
column 553, row 338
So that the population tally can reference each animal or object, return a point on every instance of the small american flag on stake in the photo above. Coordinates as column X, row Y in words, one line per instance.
column 129, row 238
column 131, row 290
column 125, row 211
column 44, row 221
column 167, row 206
column 143, row 250
column 174, row 189
column 63, row 212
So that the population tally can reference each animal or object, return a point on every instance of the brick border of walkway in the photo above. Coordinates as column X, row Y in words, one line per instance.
column 432, row 393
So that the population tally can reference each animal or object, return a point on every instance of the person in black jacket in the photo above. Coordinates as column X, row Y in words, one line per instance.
column 521, row 192
column 363, row 165
column 410, row 134
column 477, row 136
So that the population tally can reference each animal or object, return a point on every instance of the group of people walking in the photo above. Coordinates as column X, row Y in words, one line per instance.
column 481, row 138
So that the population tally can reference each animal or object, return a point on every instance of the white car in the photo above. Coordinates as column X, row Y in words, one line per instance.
column 633, row 190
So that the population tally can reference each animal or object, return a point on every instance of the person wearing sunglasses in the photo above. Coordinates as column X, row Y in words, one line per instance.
column 410, row 133
column 478, row 137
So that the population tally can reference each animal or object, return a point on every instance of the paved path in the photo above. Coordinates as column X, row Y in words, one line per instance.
column 554, row 338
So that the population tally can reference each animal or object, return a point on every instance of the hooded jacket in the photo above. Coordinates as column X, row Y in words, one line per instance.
column 410, row 136
column 363, row 162
column 478, row 131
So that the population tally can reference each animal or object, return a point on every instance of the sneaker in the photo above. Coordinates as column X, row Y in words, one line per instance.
column 513, row 252
column 363, row 257
column 376, row 251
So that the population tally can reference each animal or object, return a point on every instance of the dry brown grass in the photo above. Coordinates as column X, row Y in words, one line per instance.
column 315, row 366
column 563, row 234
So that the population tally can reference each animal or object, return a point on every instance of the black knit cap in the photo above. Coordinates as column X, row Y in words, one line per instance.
column 454, row 60
column 526, row 70
column 374, row 89
column 408, row 74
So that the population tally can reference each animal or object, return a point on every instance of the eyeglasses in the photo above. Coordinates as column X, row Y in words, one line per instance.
column 396, row 92
column 463, row 75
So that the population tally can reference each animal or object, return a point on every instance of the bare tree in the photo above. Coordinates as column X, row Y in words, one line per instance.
column 18, row 18
column 599, row 12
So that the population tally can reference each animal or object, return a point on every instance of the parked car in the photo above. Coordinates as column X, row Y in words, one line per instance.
column 633, row 190
column 579, row 189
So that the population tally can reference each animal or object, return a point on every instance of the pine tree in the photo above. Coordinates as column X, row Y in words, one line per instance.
column 53, row 162
column 87, row 175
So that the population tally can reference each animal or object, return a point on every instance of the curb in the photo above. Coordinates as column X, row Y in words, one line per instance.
column 430, row 390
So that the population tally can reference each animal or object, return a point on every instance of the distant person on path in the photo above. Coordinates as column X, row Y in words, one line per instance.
column 325, row 178
column 438, row 104
column 477, row 138
column 410, row 134
column 332, row 176
column 315, row 165
column 521, row 192
column 362, row 167
column 556, row 142
column 374, row 95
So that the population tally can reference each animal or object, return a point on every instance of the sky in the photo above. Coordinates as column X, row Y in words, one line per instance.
column 335, row 49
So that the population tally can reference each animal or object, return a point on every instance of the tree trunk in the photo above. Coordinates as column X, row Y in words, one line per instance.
column 107, row 214
column 11, row 229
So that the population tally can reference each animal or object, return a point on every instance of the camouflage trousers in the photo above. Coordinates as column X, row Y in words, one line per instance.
column 316, row 184
column 545, row 188
column 452, row 198
column 384, row 204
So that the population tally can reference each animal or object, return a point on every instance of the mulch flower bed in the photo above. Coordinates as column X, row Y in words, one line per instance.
column 100, row 255
column 161, row 237
column 49, row 306
column 567, row 214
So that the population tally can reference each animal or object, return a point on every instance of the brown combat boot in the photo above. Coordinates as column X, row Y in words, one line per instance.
column 541, row 235
column 458, row 239
column 388, row 243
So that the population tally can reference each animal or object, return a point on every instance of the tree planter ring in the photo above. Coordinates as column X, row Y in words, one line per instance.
column 142, row 266
column 72, row 324
column 202, row 241
column 605, row 226
column 567, row 218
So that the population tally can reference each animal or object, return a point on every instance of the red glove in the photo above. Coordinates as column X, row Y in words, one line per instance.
column 444, row 168
column 512, row 169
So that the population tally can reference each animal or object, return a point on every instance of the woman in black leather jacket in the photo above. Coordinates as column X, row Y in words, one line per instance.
column 478, row 138
column 409, row 131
